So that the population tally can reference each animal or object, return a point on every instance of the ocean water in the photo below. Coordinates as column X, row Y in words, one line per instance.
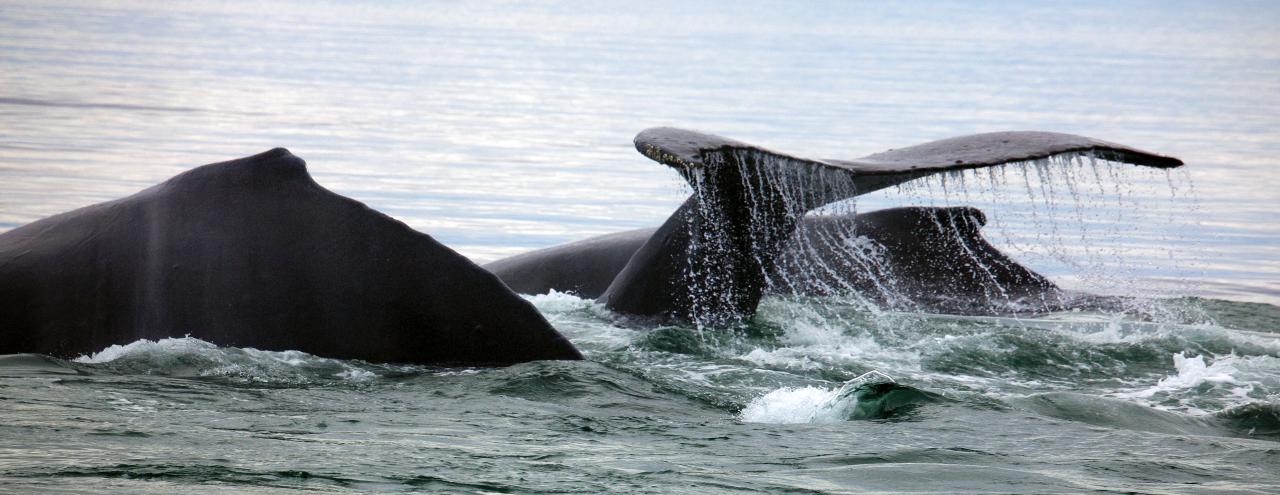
column 500, row 127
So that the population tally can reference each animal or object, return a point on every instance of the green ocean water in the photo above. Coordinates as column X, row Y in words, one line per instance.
column 1060, row 403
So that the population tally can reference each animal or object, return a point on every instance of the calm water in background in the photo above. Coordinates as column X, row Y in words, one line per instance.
column 501, row 127
column 497, row 128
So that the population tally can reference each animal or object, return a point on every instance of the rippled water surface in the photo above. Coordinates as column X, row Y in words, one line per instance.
column 502, row 127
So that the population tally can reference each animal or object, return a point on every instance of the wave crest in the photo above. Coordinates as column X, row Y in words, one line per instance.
column 192, row 357
column 873, row 395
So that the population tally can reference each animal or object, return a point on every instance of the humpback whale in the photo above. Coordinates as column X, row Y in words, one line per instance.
column 932, row 259
column 716, row 255
column 254, row 253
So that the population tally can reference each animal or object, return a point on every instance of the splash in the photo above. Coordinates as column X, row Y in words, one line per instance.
column 1093, row 226
column 192, row 357
column 873, row 395
column 746, row 205
column 1201, row 382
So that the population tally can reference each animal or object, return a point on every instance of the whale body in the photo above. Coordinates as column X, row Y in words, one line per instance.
column 734, row 238
column 928, row 259
column 254, row 253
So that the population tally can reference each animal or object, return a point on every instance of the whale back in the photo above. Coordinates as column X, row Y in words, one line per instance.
column 584, row 268
column 931, row 259
column 254, row 253
column 927, row 258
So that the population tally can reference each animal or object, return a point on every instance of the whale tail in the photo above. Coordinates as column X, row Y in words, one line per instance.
column 690, row 151
column 709, row 262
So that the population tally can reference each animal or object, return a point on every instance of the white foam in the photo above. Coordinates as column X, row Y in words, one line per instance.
column 1191, row 372
column 355, row 374
column 782, row 358
column 147, row 347
column 1231, row 378
column 812, row 339
column 583, row 321
column 810, row 404
column 192, row 356
column 792, row 405
column 559, row 302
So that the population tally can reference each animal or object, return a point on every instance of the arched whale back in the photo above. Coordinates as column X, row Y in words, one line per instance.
column 912, row 258
column 931, row 259
column 254, row 253
column 584, row 267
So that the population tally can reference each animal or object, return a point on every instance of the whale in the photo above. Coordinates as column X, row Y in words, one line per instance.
column 920, row 259
column 735, row 237
column 930, row 259
column 254, row 253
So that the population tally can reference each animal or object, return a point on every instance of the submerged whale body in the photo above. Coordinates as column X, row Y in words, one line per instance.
column 932, row 259
column 254, row 253
column 735, row 237
column 922, row 259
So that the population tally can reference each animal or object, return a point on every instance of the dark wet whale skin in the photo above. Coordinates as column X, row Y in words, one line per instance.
column 254, row 253
column 934, row 258
column 745, row 201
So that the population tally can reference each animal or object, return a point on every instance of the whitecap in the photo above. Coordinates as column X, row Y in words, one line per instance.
column 188, row 356
column 1231, row 378
column 791, row 405
column 146, row 347
column 811, row 404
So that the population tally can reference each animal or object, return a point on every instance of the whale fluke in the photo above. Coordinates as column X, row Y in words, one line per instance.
column 709, row 262
column 689, row 150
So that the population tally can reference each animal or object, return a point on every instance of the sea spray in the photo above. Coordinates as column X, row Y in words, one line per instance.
column 1201, row 381
column 732, row 250
column 192, row 357
column 1092, row 224
column 872, row 395
column 1071, row 216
